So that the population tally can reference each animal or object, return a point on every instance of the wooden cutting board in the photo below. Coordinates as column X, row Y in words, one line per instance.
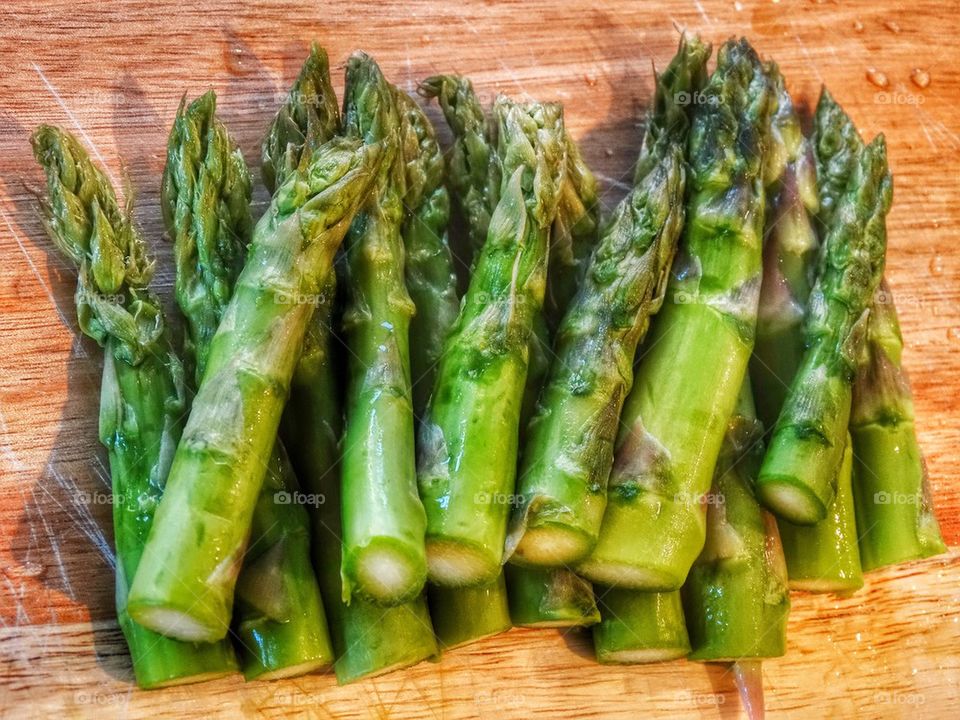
column 114, row 74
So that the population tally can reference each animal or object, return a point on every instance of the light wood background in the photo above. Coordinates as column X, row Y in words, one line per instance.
column 114, row 74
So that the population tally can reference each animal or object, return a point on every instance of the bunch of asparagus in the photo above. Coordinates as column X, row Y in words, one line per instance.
column 374, row 468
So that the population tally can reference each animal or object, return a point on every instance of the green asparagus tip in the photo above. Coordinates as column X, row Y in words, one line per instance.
column 85, row 222
column 308, row 118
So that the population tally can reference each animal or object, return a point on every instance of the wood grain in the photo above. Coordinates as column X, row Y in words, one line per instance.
column 114, row 75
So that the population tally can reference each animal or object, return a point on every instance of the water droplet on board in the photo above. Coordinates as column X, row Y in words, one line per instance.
column 608, row 152
column 590, row 78
column 858, row 26
column 877, row 77
column 920, row 77
column 738, row 6
column 936, row 265
column 235, row 60
column 892, row 25
column 953, row 334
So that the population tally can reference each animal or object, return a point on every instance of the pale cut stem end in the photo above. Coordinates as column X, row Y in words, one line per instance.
column 387, row 575
column 451, row 563
column 647, row 655
column 791, row 501
column 178, row 624
column 551, row 545
column 297, row 670
column 629, row 577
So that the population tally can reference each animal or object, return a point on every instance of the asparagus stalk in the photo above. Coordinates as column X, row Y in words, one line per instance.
column 824, row 557
column 550, row 597
column 639, row 627
column 185, row 582
column 383, row 519
column 468, row 440
column 735, row 598
column 891, row 492
column 895, row 518
column 799, row 471
column 142, row 395
column 789, row 259
column 429, row 270
column 278, row 615
column 675, row 417
column 569, row 450
column 368, row 639
column 462, row 615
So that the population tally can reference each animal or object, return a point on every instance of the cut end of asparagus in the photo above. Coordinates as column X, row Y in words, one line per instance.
column 551, row 545
column 176, row 624
column 188, row 680
column 839, row 586
column 646, row 655
column 450, row 563
column 791, row 500
column 631, row 577
column 387, row 574
column 292, row 671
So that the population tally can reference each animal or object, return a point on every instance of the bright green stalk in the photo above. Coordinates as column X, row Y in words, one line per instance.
column 278, row 615
column 789, row 259
column 142, row 396
column 735, row 598
column 184, row 585
column 894, row 507
column 464, row 615
column 569, row 448
column 799, row 471
column 429, row 269
column 639, row 627
column 473, row 169
column 687, row 381
column 384, row 558
column 824, row 557
column 468, row 439
column 550, row 597
column 368, row 639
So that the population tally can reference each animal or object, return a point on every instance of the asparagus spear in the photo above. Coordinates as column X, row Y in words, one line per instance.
column 185, row 582
column 142, row 395
column 383, row 520
column 800, row 468
column 468, row 440
column 429, row 270
column 894, row 512
column 639, row 627
column 462, row 615
column 569, row 451
column 789, row 259
column 824, row 557
column 368, row 639
column 278, row 616
column 735, row 598
column 891, row 492
column 550, row 597
column 675, row 417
